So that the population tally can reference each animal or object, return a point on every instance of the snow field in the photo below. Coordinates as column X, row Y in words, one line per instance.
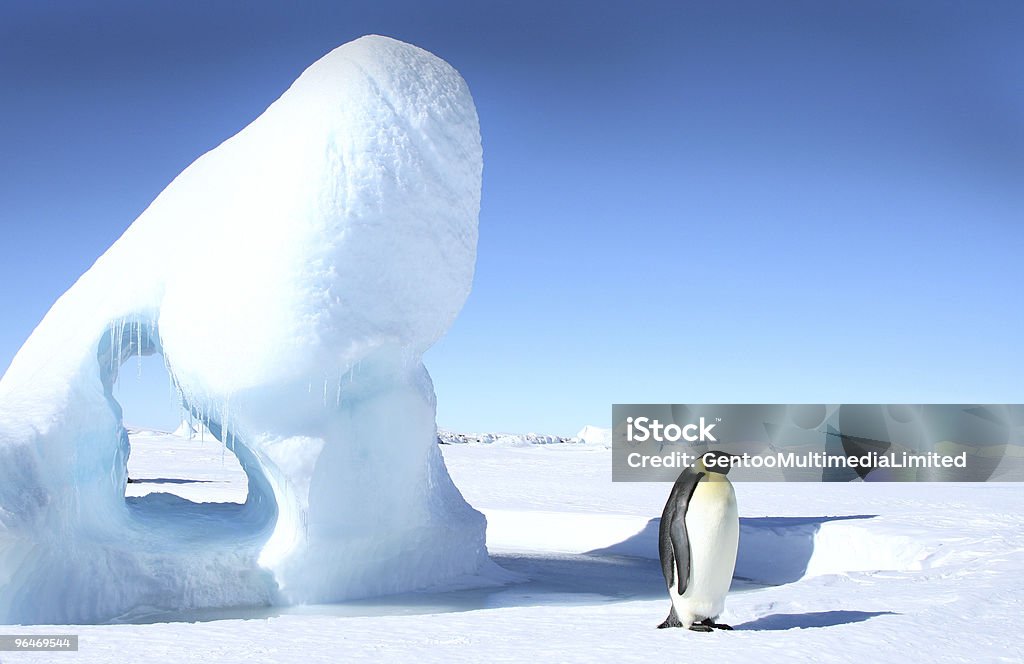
column 883, row 572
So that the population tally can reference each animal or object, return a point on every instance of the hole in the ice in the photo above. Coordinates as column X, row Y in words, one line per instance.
column 147, row 397
column 169, row 453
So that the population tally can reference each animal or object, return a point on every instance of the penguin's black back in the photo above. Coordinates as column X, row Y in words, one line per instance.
column 673, row 540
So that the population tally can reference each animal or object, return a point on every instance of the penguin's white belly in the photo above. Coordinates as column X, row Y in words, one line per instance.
column 713, row 529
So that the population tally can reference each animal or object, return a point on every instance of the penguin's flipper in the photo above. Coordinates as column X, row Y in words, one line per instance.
column 681, row 547
column 675, row 547
column 679, row 539
column 668, row 560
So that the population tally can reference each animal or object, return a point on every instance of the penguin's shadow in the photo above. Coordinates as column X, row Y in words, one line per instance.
column 778, row 622
column 774, row 550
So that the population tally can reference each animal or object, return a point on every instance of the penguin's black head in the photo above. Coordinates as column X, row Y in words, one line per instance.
column 718, row 462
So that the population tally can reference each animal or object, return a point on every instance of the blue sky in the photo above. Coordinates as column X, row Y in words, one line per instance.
column 683, row 202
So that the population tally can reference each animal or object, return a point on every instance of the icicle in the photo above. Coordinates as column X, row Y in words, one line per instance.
column 138, row 353
column 120, row 342
column 173, row 393
column 113, row 345
column 225, row 429
column 113, row 366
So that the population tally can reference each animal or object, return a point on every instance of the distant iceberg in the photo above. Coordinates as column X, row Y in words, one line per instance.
column 192, row 430
column 594, row 435
column 328, row 245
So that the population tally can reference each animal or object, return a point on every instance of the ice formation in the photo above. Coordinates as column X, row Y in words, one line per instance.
column 331, row 242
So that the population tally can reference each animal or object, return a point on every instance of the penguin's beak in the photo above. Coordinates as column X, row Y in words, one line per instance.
column 724, row 468
column 720, row 462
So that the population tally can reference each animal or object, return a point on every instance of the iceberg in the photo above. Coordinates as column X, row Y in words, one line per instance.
column 328, row 244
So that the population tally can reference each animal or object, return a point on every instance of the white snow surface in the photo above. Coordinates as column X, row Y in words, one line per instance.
column 902, row 572
column 329, row 244
column 194, row 466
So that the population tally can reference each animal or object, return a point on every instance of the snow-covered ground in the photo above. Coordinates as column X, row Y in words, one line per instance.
column 826, row 572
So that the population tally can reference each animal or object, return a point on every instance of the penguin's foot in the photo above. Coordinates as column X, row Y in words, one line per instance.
column 707, row 622
column 700, row 627
column 671, row 621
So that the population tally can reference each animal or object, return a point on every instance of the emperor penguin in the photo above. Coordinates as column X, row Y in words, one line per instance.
column 698, row 541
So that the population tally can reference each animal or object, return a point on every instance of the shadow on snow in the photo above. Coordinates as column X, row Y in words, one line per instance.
column 783, row 621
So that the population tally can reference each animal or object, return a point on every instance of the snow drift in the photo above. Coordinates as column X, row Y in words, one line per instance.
column 332, row 241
